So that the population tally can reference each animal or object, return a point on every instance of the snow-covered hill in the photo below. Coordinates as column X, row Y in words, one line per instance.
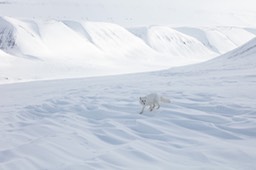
column 239, row 59
column 47, row 49
column 53, row 49
column 169, row 41
column 94, row 123
column 219, row 39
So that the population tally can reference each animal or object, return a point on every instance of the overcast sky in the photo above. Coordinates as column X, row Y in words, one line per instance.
column 138, row 12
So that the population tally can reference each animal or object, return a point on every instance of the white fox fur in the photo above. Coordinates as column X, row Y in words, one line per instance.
column 152, row 100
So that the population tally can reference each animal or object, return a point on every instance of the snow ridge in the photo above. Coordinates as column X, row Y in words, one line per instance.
column 66, row 49
column 219, row 39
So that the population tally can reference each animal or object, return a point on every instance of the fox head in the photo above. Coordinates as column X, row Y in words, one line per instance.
column 142, row 100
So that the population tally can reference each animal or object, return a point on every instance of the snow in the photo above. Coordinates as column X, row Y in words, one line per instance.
column 219, row 39
column 56, row 49
column 72, row 72
column 167, row 40
column 51, row 49
column 94, row 123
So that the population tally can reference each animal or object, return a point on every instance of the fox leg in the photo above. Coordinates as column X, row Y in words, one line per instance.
column 152, row 107
column 142, row 109
column 158, row 106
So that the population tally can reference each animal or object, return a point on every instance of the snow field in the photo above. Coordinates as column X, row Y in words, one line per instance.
column 94, row 123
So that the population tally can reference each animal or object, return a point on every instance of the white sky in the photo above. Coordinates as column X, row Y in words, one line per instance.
column 139, row 12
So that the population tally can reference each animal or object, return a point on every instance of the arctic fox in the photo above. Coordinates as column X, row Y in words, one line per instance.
column 152, row 100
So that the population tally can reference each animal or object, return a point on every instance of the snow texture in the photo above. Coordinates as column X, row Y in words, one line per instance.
column 81, row 110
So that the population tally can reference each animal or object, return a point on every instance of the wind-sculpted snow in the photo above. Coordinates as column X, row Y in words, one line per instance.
column 94, row 123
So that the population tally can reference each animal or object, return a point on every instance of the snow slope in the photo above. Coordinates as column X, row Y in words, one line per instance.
column 169, row 41
column 219, row 39
column 241, row 58
column 53, row 49
column 93, row 123
column 50, row 49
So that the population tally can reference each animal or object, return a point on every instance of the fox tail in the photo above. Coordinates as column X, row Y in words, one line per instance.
column 165, row 100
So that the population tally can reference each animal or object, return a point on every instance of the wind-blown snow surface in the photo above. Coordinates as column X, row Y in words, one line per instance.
column 94, row 123
column 35, row 49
